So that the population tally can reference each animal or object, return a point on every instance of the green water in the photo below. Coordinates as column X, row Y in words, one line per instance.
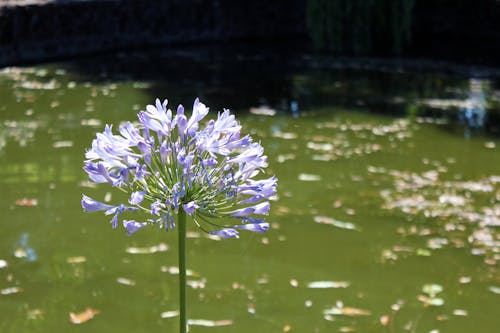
column 375, row 205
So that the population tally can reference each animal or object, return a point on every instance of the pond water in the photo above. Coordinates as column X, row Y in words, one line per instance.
column 387, row 217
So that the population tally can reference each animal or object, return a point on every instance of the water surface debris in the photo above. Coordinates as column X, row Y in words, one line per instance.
column 346, row 311
column 82, row 317
column 263, row 111
column 306, row 177
column 328, row 284
column 169, row 314
column 336, row 223
column 125, row 281
column 162, row 247
column 11, row 290
column 27, row 202
column 76, row 260
column 210, row 323
column 430, row 301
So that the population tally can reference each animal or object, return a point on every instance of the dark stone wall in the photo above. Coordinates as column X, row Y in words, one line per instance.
column 41, row 30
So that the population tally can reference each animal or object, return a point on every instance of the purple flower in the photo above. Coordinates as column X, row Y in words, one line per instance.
column 156, row 208
column 190, row 207
column 91, row 205
column 132, row 226
column 136, row 197
column 225, row 233
column 255, row 227
column 165, row 163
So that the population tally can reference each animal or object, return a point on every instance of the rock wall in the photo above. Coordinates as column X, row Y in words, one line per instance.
column 33, row 31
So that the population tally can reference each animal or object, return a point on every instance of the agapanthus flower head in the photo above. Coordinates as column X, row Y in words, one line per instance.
column 168, row 163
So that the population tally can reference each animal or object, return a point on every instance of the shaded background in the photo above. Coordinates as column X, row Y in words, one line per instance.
column 465, row 31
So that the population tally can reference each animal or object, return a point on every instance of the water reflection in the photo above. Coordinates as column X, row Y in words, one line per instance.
column 474, row 113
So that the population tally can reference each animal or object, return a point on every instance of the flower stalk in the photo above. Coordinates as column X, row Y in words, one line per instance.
column 171, row 166
column 181, row 221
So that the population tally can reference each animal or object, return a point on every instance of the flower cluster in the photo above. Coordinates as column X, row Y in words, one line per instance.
column 168, row 162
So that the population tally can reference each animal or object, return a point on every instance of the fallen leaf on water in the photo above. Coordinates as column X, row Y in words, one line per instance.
column 328, row 284
column 35, row 314
column 285, row 135
column 347, row 329
column 27, row 202
column 384, row 320
column 346, row 311
column 62, row 144
column 82, row 317
column 465, row 279
column 125, row 281
column 336, row 223
column 209, row 323
column 162, row 247
column 430, row 301
column 263, row 111
column 11, row 290
column 285, row 157
column 287, row 328
column 494, row 289
column 490, row 144
column 170, row 314
column 174, row 270
column 305, row 177
column 3, row 263
column 196, row 284
column 76, row 260
column 432, row 289
column 294, row 283
column 423, row 253
column 460, row 312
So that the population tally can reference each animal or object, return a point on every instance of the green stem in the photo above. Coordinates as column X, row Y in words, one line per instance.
column 182, row 270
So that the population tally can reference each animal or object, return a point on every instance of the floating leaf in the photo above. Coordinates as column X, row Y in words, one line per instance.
column 305, row 177
column 209, row 323
column 494, row 289
column 196, row 284
column 432, row 289
column 76, row 260
column 328, row 284
column 11, row 290
column 285, row 135
column 336, row 223
column 170, row 314
column 263, row 111
column 423, row 253
column 346, row 311
column 82, row 317
column 174, row 270
column 433, row 301
column 27, row 202
column 490, row 144
column 125, row 281
column 35, row 314
column 62, row 144
column 384, row 320
column 162, row 247
column 465, row 279
column 460, row 312
column 3, row 263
